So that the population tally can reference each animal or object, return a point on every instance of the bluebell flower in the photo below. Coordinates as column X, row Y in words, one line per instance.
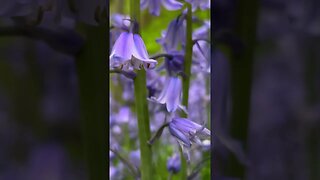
column 202, row 4
column 201, row 48
column 171, row 94
column 174, row 164
column 120, row 23
column 154, row 5
column 174, row 35
column 129, row 51
column 187, row 131
column 175, row 63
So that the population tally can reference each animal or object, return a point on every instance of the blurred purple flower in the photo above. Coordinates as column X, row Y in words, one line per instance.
column 201, row 56
column 124, row 115
column 202, row 4
column 171, row 94
column 201, row 48
column 174, row 163
column 48, row 161
column 129, row 51
column 120, row 24
column 134, row 157
column 113, row 172
column 111, row 155
column 203, row 31
column 121, row 21
column 154, row 5
column 199, row 97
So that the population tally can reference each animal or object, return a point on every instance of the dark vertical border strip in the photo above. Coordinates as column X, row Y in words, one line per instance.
column 92, row 69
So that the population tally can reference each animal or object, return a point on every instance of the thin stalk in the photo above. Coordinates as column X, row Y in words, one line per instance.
column 140, row 91
column 186, row 79
column 141, row 105
column 183, row 173
column 188, row 58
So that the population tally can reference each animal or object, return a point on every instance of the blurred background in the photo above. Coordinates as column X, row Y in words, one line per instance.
column 41, row 134
column 266, row 108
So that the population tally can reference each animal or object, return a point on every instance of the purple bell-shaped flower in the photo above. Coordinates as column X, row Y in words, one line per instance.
column 174, row 35
column 171, row 94
column 187, row 131
column 129, row 51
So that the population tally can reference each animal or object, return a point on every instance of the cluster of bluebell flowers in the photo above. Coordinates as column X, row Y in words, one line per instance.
column 165, row 78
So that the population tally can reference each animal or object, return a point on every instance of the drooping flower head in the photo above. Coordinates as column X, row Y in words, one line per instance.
column 171, row 94
column 188, row 132
column 130, row 52
column 154, row 5
column 174, row 35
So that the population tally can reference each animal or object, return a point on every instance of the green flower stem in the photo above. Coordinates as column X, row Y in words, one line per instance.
column 241, row 76
column 141, row 105
column 186, row 80
column 187, row 59
column 135, row 10
column 140, row 92
column 183, row 173
column 93, row 81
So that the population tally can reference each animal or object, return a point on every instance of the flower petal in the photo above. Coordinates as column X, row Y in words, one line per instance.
column 154, row 7
column 179, row 135
column 204, row 4
column 174, row 163
column 144, row 4
column 173, row 94
column 162, row 97
column 172, row 4
column 190, row 127
column 140, row 55
column 122, row 49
